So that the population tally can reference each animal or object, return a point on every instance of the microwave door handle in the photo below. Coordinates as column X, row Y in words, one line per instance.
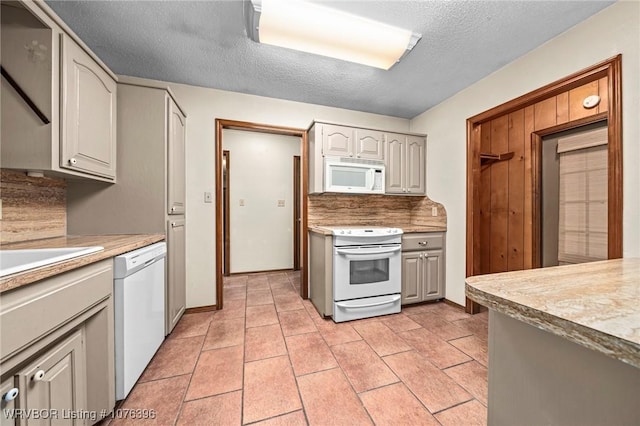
column 372, row 179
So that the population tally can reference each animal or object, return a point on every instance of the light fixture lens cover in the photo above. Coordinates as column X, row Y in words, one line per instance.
column 317, row 29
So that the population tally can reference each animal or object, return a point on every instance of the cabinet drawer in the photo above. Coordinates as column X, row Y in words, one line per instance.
column 422, row 241
column 32, row 311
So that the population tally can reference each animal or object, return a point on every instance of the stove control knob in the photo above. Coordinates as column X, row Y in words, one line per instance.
column 342, row 232
column 348, row 232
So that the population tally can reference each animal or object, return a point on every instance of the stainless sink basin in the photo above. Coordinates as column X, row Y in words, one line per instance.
column 14, row 261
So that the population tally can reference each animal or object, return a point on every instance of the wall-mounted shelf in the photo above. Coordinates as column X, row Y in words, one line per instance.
column 487, row 159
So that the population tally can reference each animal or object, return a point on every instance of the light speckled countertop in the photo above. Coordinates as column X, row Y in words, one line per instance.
column 114, row 245
column 596, row 305
column 406, row 228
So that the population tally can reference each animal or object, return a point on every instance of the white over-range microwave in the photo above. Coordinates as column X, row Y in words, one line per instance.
column 353, row 175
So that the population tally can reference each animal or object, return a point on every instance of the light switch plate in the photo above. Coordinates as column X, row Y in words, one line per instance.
column 208, row 198
column 434, row 211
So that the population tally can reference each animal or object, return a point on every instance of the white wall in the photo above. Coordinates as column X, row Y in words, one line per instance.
column 260, row 174
column 614, row 30
column 203, row 106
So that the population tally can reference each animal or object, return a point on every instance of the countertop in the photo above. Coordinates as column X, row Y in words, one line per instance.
column 406, row 228
column 114, row 245
column 596, row 305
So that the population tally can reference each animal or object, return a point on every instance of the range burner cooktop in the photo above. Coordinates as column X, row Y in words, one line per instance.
column 365, row 232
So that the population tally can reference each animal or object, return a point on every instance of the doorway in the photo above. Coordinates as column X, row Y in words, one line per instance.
column 224, row 251
column 261, row 202
column 504, row 167
column 573, row 193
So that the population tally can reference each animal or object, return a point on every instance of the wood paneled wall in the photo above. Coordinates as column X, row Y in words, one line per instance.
column 373, row 210
column 504, row 238
column 32, row 208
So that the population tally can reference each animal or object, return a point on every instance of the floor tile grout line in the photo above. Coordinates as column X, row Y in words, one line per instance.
column 456, row 405
column 316, row 324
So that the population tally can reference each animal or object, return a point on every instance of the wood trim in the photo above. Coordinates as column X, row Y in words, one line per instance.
column 222, row 124
column 453, row 304
column 226, row 217
column 610, row 68
column 263, row 128
column 266, row 271
column 536, row 198
column 296, row 211
column 304, row 274
column 199, row 309
column 572, row 81
column 219, row 214
column 615, row 206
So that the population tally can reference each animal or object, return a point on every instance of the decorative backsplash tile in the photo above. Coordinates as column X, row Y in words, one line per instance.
column 374, row 210
column 32, row 207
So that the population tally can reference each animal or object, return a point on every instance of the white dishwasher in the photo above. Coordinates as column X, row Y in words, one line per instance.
column 139, row 288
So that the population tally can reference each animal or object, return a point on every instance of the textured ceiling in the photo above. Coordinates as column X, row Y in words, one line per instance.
column 204, row 43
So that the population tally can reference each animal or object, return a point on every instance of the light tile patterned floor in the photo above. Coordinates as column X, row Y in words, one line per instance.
column 268, row 358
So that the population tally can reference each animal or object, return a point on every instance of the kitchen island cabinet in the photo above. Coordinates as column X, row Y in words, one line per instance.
column 564, row 343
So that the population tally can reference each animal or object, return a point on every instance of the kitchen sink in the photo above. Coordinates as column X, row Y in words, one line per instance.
column 14, row 261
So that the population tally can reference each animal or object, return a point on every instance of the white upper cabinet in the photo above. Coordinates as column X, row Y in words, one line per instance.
column 344, row 141
column 405, row 164
column 337, row 141
column 58, row 99
column 88, row 114
column 404, row 155
column 368, row 144
column 415, row 165
column 176, row 150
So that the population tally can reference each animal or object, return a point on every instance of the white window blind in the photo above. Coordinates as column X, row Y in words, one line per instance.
column 583, row 197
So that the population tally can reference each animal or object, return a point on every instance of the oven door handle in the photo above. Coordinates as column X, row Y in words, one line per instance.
column 394, row 299
column 367, row 254
column 368, row 251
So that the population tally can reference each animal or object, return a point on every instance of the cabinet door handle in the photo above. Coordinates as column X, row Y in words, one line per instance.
column 38, row 376
column 173, row 209
column 11, row 395
column 73, row 161
column 423, row 243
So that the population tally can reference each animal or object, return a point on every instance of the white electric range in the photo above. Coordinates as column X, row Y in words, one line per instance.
column 367, row 272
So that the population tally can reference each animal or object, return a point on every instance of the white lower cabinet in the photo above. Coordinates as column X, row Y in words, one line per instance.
column 57, row 349
column 176, row 266
column 55, row 383
column 423, row 266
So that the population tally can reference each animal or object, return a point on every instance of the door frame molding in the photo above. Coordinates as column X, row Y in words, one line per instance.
column 297, row 186
column 222, row 124
column 610, row 68
column 226, row 218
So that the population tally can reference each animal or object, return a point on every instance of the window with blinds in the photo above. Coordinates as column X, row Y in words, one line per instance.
column 582, row 226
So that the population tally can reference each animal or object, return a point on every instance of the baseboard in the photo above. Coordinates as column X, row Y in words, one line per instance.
column 200, row 309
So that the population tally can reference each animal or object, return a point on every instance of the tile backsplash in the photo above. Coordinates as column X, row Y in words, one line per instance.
column 32, row 207
column 374, row 210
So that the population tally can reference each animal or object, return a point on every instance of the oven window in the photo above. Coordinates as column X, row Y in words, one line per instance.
column 368, row 271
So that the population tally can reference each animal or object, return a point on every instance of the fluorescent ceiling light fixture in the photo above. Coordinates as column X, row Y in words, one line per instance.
column 317, row 29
